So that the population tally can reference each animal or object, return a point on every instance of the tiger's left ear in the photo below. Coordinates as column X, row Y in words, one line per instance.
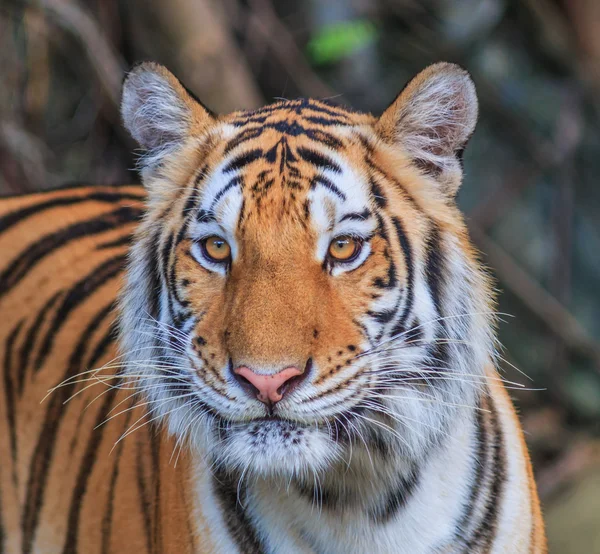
column 432, row 120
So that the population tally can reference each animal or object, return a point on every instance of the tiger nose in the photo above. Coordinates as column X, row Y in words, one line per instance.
column 270, row 387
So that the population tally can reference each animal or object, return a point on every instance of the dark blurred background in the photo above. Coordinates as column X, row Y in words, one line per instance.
column 531, row 192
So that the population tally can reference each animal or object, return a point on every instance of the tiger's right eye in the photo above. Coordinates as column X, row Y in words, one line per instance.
column 216, row 249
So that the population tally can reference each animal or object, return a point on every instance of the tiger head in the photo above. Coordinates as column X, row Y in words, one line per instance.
column 302, row 285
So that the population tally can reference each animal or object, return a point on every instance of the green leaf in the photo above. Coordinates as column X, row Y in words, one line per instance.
column 339, row 40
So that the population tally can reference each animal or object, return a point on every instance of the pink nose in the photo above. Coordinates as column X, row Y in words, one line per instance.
column 269, row 386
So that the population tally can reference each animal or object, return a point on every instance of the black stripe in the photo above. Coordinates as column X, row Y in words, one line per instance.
column 325, row 121
column 396, row 498
column 382, row 317
column 293, row 129
column 243, row 160
column 356, row 216
column 204, row 216
column 10, row 390
column 122, row 241
column 271, row 157
column 439, row 352
column 233, row 183
column 397, row 185
column 250, row 119
column 326, row 497
column 191, row 203
column 485, row 533
column 240, row 527
column 298, row 106
column 318, row 160
column 202, row 174
column 414, row 334
column 480, row 461
column 102, row 347
column 410, row 275
column 329, row 140
column 157, row 534
column 266, row 110
column 321, row 180
column 77, row 295
column 108, row 513
column 154, row 282
column 144, row 498
column 377, row 194
column 435, row 267
column 42, row 456
column 48, row 244
column 330, row 109
column 30, row 338
column 86, row 466
column 17, row 216
column 392, row 279
column 244, row 136
column 165, row 260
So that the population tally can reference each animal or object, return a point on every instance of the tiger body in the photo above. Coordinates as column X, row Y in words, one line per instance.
column 395, row 435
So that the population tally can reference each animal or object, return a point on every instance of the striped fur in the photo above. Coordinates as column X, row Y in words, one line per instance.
column 399, row 437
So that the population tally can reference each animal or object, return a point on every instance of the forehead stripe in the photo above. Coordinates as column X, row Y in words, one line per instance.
column 244, row 136
column 325, row 121
column 205, row 216
column 243, row 160
column 356, row 216
column 319, row 160
column 320, row 180
column 293, row 130
column 234, row 182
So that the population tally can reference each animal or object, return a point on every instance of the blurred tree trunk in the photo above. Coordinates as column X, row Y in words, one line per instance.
column 585, row 19
column 193, row 39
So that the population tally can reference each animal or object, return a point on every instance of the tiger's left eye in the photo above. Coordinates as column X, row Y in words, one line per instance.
column 216, row 249
column 344, row 248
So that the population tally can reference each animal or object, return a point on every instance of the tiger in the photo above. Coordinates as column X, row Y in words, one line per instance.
column 283, row 342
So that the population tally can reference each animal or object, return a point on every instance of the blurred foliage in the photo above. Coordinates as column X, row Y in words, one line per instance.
column 530, row 193
column 340, row 40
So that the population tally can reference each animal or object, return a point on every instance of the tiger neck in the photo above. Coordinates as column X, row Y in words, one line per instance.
column 363, row 506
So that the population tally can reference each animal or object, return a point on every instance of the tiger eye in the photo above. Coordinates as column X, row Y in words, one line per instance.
column 217, row 248
column 343, row 248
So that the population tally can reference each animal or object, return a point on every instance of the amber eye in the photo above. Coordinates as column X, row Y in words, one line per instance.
column 344, row 248
column 216, row 249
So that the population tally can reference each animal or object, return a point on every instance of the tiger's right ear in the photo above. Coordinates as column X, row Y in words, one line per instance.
column 159, row 112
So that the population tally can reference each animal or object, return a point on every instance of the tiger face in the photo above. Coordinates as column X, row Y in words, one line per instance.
column 302, row 292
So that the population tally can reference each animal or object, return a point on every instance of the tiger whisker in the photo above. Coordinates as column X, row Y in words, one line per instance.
column 434, row 370
column 434, row 320
column 386, row 427
column 400, row 418
column 132, row 429
column 444, row 403
column 147, row 403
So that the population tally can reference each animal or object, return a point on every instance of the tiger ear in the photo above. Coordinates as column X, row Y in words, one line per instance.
column 159, row 113
column 432, row 120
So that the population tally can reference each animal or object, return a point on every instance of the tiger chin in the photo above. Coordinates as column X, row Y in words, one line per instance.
column 306, row 356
